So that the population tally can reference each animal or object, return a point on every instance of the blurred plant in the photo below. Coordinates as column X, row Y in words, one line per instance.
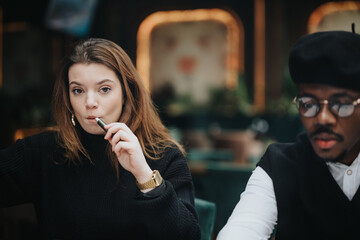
column 225, row 102
column 180, row 106
column 283, row 105
column 30, row 107
column 229, row 102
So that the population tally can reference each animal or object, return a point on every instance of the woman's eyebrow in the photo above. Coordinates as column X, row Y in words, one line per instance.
column 99, row 83
column 104, row 81
column 74, row 82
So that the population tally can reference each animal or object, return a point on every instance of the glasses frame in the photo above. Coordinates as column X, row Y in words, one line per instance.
column 325, row 102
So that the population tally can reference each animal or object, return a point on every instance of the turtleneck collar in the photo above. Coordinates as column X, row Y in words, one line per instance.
column 92, row 142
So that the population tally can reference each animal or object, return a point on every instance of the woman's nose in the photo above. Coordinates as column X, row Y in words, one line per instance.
column 91, row 101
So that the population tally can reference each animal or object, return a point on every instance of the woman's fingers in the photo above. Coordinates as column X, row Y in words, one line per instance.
column 118, row 136
column 119, row 133
column 121, row 146
column 127, row 148
column 113, row 128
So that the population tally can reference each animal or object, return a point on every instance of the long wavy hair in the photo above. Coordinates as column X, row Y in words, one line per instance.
column 139, row 113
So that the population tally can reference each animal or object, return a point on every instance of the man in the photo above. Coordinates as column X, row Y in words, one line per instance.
column 309, row 189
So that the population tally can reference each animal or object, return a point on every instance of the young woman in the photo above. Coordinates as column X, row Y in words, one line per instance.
column 129, row 180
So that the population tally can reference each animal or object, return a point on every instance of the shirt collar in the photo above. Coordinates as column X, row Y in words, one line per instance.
column 339, row 164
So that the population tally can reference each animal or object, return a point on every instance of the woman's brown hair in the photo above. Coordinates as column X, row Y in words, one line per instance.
column 139, row 113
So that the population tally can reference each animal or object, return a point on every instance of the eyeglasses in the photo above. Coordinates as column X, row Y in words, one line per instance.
column 339, row 106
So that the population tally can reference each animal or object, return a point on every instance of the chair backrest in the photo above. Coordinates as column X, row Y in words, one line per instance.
column 222, row 186
column 206, row 211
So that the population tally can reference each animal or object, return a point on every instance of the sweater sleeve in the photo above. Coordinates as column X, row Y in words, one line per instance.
column 172, row 215
column 12, row 175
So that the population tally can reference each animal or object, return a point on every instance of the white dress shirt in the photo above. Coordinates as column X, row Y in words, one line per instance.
column 255, row 215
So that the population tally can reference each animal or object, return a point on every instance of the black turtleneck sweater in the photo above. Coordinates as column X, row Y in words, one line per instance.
column 84, row 202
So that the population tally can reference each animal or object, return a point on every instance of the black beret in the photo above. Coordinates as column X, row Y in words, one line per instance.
column 331, row 58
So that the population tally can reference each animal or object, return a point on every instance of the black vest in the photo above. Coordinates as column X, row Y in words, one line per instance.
column 310, row 203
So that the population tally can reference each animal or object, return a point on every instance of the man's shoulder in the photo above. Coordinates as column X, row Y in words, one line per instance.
column 288, row 148
column 278, row 153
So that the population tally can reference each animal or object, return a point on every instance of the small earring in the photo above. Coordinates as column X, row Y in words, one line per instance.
column 73, row 120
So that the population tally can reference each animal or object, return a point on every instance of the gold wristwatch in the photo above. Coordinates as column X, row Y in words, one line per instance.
column 154, row 182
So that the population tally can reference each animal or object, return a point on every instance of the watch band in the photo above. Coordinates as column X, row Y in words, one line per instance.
column 154, row 182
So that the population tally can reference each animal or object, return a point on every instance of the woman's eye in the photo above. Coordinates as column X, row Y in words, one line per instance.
column 105, row 89
column 77, row 91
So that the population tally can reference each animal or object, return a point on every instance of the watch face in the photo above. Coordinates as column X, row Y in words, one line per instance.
column 155, row 181
column 157, row 178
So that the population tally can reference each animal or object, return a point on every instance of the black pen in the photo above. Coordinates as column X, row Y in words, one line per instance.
column 101, row 123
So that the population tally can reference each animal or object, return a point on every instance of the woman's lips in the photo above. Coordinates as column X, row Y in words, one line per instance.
column 91, row 118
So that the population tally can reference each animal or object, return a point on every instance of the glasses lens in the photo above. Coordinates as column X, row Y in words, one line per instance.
column 308, row 106
column 342, row 106
column 345, row 110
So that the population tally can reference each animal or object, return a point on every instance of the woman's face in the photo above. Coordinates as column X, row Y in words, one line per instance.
column 94, row 91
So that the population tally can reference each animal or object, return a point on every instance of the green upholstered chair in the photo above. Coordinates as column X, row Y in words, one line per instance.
column 206, row 211
column 221, row 185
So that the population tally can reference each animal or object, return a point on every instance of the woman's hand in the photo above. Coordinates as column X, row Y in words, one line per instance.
column 128, row 151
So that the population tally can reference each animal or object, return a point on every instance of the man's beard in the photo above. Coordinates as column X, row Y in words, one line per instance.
column 324, row 129
column 336, row 159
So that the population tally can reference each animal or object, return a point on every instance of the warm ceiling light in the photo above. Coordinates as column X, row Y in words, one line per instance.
column 329, row 8
column 235, row 39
